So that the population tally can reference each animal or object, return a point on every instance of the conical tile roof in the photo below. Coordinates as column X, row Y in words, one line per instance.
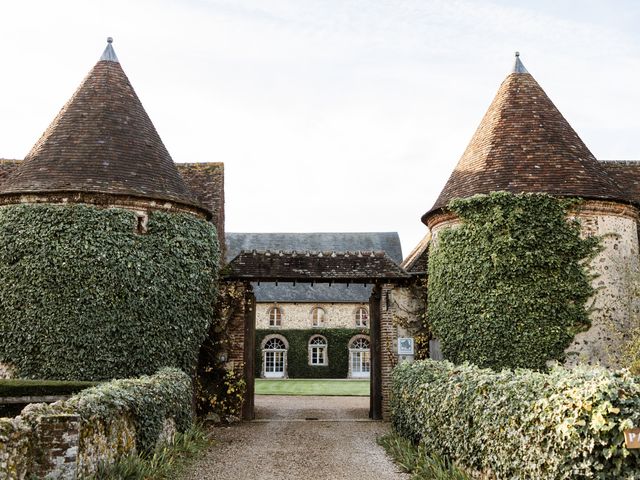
column 524, row 144
column 102, row 141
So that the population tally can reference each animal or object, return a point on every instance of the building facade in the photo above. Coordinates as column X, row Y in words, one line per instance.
column 324, row 324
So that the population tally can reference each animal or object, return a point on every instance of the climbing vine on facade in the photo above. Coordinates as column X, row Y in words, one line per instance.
column 84, row 296
column 220, row 385
column 508, row 287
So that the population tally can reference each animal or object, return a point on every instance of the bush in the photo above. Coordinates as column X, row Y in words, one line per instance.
column 567, row 424
column 298, row 353
column 508, row 287
column 148, row 399
column 84, row 297
column 38, row 388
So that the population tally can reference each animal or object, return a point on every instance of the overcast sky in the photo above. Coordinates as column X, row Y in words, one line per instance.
column 334, row 115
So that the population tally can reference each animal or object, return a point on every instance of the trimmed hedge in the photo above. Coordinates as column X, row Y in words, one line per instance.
column 298, row 354
column 508, row 287
column 148, row 400
column 84, row 297
column 566, row 424
column 38, row 388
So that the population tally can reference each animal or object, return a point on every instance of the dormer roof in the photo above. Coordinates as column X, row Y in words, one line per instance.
column 102, row 141
column 524, row 144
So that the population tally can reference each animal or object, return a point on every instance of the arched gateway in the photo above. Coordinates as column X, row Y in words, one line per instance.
column 370, row 268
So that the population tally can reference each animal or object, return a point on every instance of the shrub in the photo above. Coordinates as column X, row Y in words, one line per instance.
column 20, row 388
column 84, row 297
column 508, row 287
column 566, row 424
column 416, row 460
column 149, row 400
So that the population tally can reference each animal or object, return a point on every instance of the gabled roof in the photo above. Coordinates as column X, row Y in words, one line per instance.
column 524, row 144
column 102, row 141
column 418, row 260
column 389, row 242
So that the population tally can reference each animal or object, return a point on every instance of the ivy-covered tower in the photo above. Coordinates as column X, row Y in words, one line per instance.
column 107, row 262
column 524, row 145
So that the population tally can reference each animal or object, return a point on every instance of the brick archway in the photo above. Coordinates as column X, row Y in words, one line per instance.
column 369, row 268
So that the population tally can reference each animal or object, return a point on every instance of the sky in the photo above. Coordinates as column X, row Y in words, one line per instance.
column 334, row 115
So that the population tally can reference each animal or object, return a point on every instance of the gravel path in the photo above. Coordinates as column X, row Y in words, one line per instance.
column 282, row 444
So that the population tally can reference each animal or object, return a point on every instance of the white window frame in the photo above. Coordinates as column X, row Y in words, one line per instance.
column 318, row 351
column 279, row 357
column 359, row 356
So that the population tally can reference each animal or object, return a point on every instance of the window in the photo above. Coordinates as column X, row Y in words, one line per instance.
column 318, row 316
column 275, row 317
column 318, row 351
column 362, row 317
column 274, row 357
column 359, row 358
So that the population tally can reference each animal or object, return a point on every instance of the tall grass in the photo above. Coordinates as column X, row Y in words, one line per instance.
column 165, row 463
column 416, row 460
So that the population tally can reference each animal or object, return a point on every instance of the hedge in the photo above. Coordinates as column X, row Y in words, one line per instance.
column 522, row 424
column 147, row 400
column 38, row 388
column 508, row 287
column 298, row 353
column 85, row 297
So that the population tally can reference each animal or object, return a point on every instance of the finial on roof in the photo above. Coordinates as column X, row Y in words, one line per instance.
column 518, row 67
column 109, row 53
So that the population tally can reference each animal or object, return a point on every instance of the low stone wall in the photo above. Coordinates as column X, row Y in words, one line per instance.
column 61, row 441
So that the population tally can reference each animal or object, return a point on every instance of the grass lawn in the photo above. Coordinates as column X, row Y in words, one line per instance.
column 310, row 386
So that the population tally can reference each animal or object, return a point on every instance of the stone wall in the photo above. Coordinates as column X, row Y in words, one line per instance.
column 298, row 315
column 616, row 283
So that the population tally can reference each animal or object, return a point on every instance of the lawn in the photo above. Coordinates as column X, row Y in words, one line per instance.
column 309, row 386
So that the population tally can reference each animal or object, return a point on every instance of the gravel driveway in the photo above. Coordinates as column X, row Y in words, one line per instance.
column 282, row 444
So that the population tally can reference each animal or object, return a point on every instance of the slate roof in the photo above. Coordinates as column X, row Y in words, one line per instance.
column 102, row 141
column 338, row 267
column 524, row 144
column 388, row 242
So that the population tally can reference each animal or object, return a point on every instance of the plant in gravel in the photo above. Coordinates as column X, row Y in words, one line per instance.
column 415, row 459
column 164, row 463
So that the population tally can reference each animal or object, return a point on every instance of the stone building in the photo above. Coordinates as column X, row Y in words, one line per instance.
column 282, row 307
column 524, row 144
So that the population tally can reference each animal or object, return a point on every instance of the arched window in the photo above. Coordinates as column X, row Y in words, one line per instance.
column 362, row 317
column 275, row 317
column 318, row 316
column 274, row 357
column 359, row 357
column 318, row 351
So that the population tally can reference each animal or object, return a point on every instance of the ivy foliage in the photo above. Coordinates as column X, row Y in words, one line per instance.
column 522, row 424
column 298, row 353
column 85, row 297
column 147, row 400
column 508, row 287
